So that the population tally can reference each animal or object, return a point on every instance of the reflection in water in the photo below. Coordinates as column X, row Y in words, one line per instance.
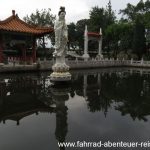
column 126, row 92
column 28, row 96
column 60, row 95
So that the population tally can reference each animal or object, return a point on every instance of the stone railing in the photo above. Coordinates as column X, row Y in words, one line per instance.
column 76, row 64
column 81, row 64
column 94, row 64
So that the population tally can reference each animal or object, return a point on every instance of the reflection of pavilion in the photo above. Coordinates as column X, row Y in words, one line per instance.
column 18, row 99
column 23, row 101
column 100, row 91
column 16, row 112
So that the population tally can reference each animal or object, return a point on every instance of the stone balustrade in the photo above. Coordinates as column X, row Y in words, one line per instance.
column 76, row 64
column 93, row 63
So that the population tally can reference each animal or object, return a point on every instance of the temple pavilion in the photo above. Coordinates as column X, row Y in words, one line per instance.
column 18, row 39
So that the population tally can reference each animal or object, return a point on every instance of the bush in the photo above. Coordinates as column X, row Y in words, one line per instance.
column 146, row 57
column 122, row 55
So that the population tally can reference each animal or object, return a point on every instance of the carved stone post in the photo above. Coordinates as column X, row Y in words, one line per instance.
column 100, row 56
column 86, row 55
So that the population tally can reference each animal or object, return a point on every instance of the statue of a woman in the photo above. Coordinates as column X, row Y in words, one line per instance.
column 60, row 68
column 61, row 34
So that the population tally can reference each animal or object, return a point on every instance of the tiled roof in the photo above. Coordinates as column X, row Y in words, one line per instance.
column 13, row 23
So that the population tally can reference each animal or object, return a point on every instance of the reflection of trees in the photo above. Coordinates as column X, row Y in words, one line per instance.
column 136, row 110
column 131, row 93
column 18, row 98
column 136, row 100
column 28, row 96
column 97, row 102
column 77, row 85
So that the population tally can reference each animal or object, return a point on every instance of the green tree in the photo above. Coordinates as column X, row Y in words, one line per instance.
column 139, row 38
column 97, row 18
column 119, row 37
column 110, row 14
column 41, row 18
column 72, row 34
column 139, row 15
column 131, row 12
column 100, row 17
column 80, row 27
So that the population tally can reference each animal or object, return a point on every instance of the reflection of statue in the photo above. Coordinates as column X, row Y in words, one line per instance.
column 61, row 34
column 60, row 94
column 60, row 68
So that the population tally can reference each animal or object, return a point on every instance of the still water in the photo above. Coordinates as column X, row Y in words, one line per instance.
column 98, row 105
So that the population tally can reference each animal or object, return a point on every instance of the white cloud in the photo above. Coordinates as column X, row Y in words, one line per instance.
column 76, row 9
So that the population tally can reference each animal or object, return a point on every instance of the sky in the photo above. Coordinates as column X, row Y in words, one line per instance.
column 76, row 9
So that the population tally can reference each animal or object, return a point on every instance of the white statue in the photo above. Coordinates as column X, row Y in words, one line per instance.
column 60, row 68
column 61, row 34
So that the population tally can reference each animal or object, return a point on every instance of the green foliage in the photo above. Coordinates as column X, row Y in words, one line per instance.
column 134, row 56
column 146, row 57
column 41, row 18
column 80, row 27
column 131, row 12
column 122, row 55
column 139, row 16
column 97, row 18
column 100, row 17
column 72, row 36
column 139, row 38
column 119, row 37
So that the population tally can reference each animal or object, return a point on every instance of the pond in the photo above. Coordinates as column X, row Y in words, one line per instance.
column 98, row 105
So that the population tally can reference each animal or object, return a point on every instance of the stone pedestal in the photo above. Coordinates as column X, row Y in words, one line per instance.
column 60, row 70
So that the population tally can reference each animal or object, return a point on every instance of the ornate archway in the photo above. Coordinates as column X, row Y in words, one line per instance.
column 92, row 36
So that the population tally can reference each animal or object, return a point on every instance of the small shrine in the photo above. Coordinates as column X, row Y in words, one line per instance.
column 18, row 39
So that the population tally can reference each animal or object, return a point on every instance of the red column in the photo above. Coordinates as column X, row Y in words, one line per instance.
column 1, row 54
column 23, row 53
column 34, row 50
column 24, row 50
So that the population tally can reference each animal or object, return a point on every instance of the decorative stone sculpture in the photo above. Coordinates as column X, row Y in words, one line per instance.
column 60, row 68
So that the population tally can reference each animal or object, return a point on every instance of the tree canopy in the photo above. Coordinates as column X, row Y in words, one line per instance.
column 120, row 36
column 41, row 18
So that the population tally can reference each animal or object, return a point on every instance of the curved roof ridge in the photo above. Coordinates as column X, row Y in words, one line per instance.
column 14, row 23
column 6, row 20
